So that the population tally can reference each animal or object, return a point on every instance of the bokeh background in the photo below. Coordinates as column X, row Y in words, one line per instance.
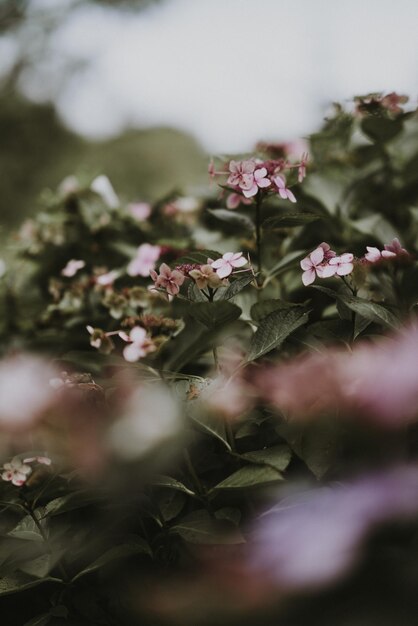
column 144, row 91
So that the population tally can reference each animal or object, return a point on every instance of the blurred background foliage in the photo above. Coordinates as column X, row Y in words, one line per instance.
column 37, row 151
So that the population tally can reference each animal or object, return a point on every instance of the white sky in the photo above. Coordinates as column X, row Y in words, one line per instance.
column 233, row 71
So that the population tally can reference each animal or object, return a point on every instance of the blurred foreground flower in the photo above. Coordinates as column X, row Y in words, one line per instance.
column 25, row 391
column 16, row 472
column 314, row 538
column 379, row 381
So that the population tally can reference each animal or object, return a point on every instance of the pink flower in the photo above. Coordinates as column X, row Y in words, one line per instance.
column 259, row 182
column 140, row 210
column 145, row 260
column 72, row 267
column 170, row 280
column 396, row 248
column 392, row 101
column 315, row 264
column 343, row 264
column 16, row 472
column 374, row 255
column 302, row 167
column 230, row 260
column 140, row 345
column 107, row 279
column 284, row 192
column 205, row 276
column 242, row 174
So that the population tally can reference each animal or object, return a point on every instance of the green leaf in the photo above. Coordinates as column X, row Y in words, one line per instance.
column 211, row 425
column 277, row 457
column 71, row 502
column 171, row 483
column 135, row 546
column 214, row 314
column 232, row 217
column 381, row 129
column 290, row 220
column 377, row 226
column 369, row 310
column 195, row 294
column 201, row 528
column 26, row 529
column 234, row 288
column 251, row 476
column 261, row 309
column 18, row 581
column 274, row 329
column 39, row 568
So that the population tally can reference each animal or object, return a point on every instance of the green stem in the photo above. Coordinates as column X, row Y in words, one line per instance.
column 258, row 234
column 195, row 478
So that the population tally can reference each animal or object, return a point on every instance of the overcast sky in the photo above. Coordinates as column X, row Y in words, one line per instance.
column 234, row 71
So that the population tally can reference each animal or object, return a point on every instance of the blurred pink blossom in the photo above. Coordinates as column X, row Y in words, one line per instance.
column 229, row 261
column 140, row 210
column 312, row 539
column 302, row 167
column 374, row 255
column 235, row 199
column 25, row 391
column 378, row 382
column 43, row 460
column 170, row 280
column 140, row 345
column 72, row 267
column 146, row 257
column 396, row 247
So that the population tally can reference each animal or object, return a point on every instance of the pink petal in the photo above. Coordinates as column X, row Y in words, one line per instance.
column 132, row 353
column 137, row 334
column 249, row 193
column 345, row 269
column 306, row 263
column 290, row 195
column 239, row 262
column 308, row 277
column 224, row 271
column 219, row 262
column 326, row 271
column 317, row 256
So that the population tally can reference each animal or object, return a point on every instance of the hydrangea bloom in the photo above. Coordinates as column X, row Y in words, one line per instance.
column 146, row 257
column 396, row 247
column 16, row 472
column 374, row 255
column 140, row 345
column 229, row 261
column 170, row 280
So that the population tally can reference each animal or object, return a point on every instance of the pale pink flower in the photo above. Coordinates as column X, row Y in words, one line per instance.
column 396, row 247
column 242, row 174
column 16, row 472
column 315, row 264
column 392, row 101
column 229, row 261
column 107, row 279
column 140, row 345
column 235, row 199
column 72, row 267
column 260, row 181
column 374, row 255
column 284, row 192
column 170, row 280
column 140, row 210
column 146, row 257
column 302, row 167
column 343, row 264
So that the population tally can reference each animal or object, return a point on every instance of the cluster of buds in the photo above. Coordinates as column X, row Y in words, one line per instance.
column 247, row 178
column 325, row 263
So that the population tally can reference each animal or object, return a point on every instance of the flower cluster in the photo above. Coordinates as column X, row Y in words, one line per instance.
column 324, row 263
column 17, row 471
column 246, row 178
column 211, row 274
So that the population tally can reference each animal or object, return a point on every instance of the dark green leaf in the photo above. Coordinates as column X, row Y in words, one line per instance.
column 133, row 547
column 274, row 329
column 381, row 129
column 261, row 309
column 251, row 476
column 200, row 527
column 277, row 457
column 214, row 314
column 171, row 483
column 235, row 287
column 290, row 220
